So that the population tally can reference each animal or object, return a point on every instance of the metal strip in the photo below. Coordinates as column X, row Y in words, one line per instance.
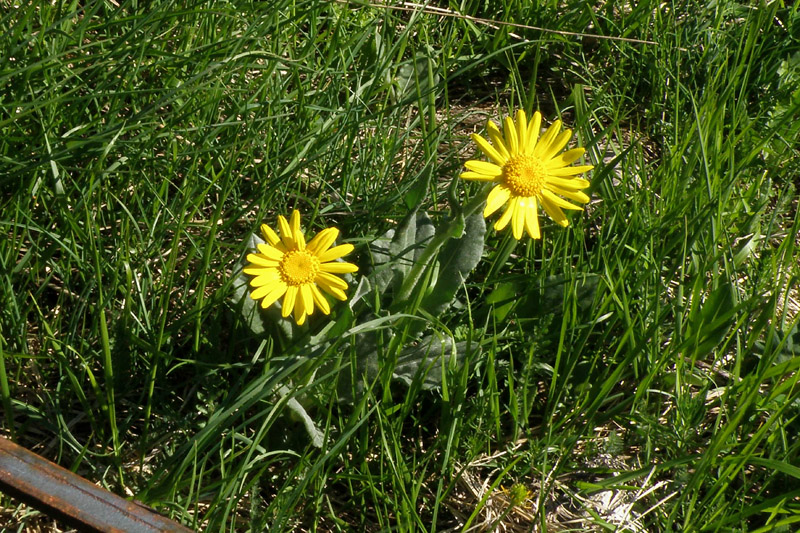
column 75, row 501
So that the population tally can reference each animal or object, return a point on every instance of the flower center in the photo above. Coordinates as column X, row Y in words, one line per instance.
column 298, row 267
column 524, row 175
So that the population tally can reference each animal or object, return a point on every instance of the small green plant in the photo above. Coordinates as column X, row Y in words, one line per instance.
column 417, row 269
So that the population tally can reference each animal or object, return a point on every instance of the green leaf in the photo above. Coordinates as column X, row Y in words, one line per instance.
column 363, row 288
column 299, row 414
column 710, row 321
column 248, row 308
column 777, row 466
column 789, row 343
column 747, row 249
column 352, row 381
column 550, row 300
column 413, row 80
column 381, row 274
column 317, row 436
column 402, row 247
column 395, row 252
column 256, row 318
column 425, row 232
column 425, row 362
column 457, row 259
column 503, row 297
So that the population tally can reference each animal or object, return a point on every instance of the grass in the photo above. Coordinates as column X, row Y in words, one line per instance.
column 637, row 371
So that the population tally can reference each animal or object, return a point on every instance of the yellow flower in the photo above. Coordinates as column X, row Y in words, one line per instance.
column 528, row 173
column 287, row 266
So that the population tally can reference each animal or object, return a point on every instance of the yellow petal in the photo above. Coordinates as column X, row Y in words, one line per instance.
column 338, row 267
column 286, row 233
column 261, row 291
column 326, row 281
column 518, row 218
column 300, row 240
column 297, row 235
column 272, row 295
column 476, row 176
column 557, row 145
column 320, row 300
column 267, row 252
column 289, row 300
column 335, row 253
column 544, row 143
column 522, row 129
column 577, row 196
column 498, row 196
column 532, row 221
column 497, row 139
column 510, row 132
column 533, row 133
column 262, row 260
column 306, row 299
column 335, row 292
column 269, row 235
column 264, row 277
column 570, row 184
column 484, row 167
column 322, row 240
column 569, row 171
column 254, row 270
column 299, row 314
column 294, row 221
column 555, row 213
column 488, row 149
column 567, row 158
column 559, row 201
column 502, row 222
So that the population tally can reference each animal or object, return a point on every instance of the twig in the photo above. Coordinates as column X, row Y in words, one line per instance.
column 445, row 12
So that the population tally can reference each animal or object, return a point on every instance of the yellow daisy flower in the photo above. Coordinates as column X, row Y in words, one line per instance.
column 287, row 266
column 528, row 172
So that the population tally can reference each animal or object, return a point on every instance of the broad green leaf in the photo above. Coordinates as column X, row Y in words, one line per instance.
column 550, row 300
column 256, row 318
column 418, row 76
column 363, row 288
column 403, row 244
column 456, row 260
column 297, row 410
column 381, row 273
column 503, row 298
column 746, row 250
column 425, row 232
column 425, row 362
column 395, row 253
column 709, row 321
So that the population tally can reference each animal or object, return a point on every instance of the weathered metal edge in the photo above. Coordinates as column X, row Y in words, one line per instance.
column 72, row 499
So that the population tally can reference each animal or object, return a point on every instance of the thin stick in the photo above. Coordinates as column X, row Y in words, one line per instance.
column 444, row 12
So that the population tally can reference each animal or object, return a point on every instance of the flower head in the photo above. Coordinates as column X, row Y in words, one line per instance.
column 528, row 171
column 288, row 266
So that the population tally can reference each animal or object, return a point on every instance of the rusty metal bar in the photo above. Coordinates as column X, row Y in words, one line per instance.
column 71, row 499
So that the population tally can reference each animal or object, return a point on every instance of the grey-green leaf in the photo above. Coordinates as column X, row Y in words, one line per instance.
column 427, row 360
column 317, row 436
column 394, row 253
column 248, row 307
column 456, row 259
column 251, row 312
